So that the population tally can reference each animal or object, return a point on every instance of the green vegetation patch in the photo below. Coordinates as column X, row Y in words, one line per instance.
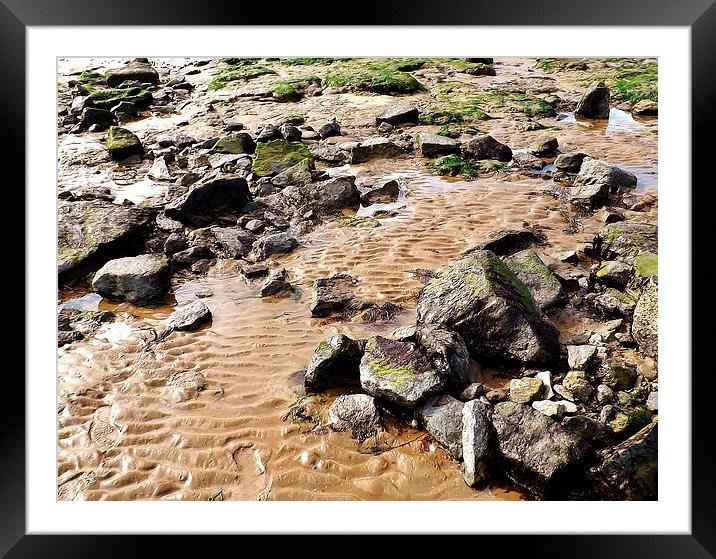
column 647, row 264
column 629, row 80
column 454, row 165
column 397, row 376
column 242, row 71
column 292, row 89
column 278, row 155
column 386, row 76
column 90, row 78
column 298, row 61
column 108, row 98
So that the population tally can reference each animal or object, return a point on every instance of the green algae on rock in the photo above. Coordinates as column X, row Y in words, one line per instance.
column 292, row 89
column 386, row 76
column 108, row 98
column 241, row 142
column 278, row 155
column 122, row 143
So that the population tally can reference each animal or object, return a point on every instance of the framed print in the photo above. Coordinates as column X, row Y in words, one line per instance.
column 393, row 275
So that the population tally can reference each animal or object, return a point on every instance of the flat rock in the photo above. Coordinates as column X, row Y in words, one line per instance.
column 298, row 175
column 398, row 115
column 136, row 70
column 334, row 363
column 376, row 147
column 433, row 145
column 278, row 155
column 141, row 280
column 645, row 107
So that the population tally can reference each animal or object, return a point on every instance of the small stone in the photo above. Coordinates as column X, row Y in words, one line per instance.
column 549, row 408
column 570, row 162
column 620, row 375
column 189, row 317
column 477, row 442
column 433, row 145
column 330, row 129
column 496, row 395
column 442, row 418
column 472, row 392
column 398, row 115
column 159, row 170
column 652, row 401
column 276, row 285
column 524, row 390
column 546, row 378
column 356, row 412
column 645, row 107
column 576, row 382
column 562, row 391
column 581, row 357
column 595, row 102
column 334, row 363
column 254, row 225
column 543, row 146
column 605, row 395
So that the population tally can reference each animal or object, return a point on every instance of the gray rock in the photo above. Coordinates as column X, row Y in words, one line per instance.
column 356, row 412
column 290, row 133
column 596, row 179
column 570, row 162
column 136, row 70
column 549, row 408
column 485, row 147
column 524, row 160
column 605, row 395
column 374, row 148
column 594, row 102
column 276, row 285
column 190, row 256
column 159, row 170
column 493, row 311
column 279, row 243
column 329, row 129
column 612, row 303
column 525, row 390
column 581, row 357
column 614, row 273
column 433, row 145
column 576, row 382
column 477, row 442
column 333, row 295
column 235, row 144
column 333, row 194
column 588, row 429
column 141, row 280
column 472, row 391
column 546, row 378
column 398, row 115
column 298, row 175
column 189, row 317
column 625, row 239
column 508, row 241
column 652, row 401
column 447, row 351
column 442, row 418
column 535, row 451
column 254, row 225
column 385, row 194
column 645, row 327
column 329, row 153
column 645, row 107
column 543, row 284
column 543, row 146
column 268, row 132
column 175, row 242
column 334, row 363
column 101, row 118
column 397, row 372
column 209, row 200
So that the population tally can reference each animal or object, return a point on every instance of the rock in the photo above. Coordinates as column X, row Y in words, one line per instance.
column 433, row 145
column 226, row 242
column 210, row 200
column 398, row 115
column 525, row 390
column 268, row 132
column 385, row 128
column 472, row 391
column 652, row 401
column 563, row 392
column 334, row 364
column 447, row 351
column 596, row 179
column 88, row 229
column 535, row 451
column 376, row 147
column 496, row 395
column 570, row 162
column 278, row 155
column 645, row 327
column 478, row 440
column 544, row 146
column 397, row 372
column 297, row 175
column 614, row 273
column 442, row 418
column 576, row 382
column 645, row 107
column 189, row 317
column 124, row 110
column 485, row 147
column 525, row 160
column 190, row 256
column 101, row 118
column 508, row 241
column 594, row 102
column 159, row 170
column 333, row 194
column 549, row 408
column 141, row 280
column 328, row 153
column 175, row 242
column 241, row 142
column 581, row 357
column 620, row 375
column 136, row 70
column 356, row 412
column 587, row 428
column 385, row 194
column 121, row 143
column 279, row 243
column 625, row 239
column 67, row 337
column 255, row 270
column 290, row 133
column 546, row 378
column 543, row 284
column 276, row 285
column 333, row 295
column 646, row 265
column 329, row 129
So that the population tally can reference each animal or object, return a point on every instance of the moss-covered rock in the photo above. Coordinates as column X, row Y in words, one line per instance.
column 122, row 143
column 334, row 363
column 542, row 283
column 292, row 89
column 625, row 239
column 108, row 98
column 384, row 76
column 278, row 155
column 238, row 72
column 646, row 264
column 241, row 142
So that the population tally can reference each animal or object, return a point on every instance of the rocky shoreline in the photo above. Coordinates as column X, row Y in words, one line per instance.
column 574, row 419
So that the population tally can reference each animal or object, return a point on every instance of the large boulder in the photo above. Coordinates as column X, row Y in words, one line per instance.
column 209, row 200
column 535, row 450
column 89, row 228
column 122, row 143
column 533, row 272
column 433, row 145
column 645, row 327
column 478, row 439
column 278, row 155
column 141, row 280
column 374, row 148
column 398, row 372
column 625, row 239
column 485, row 147
column 398, row 115
column 483, row 300
column 139, row 70
column 594, row 102
column 356, row 412
column 448, row 352
column 596, row 180
column 442, row 418
column 334, row 363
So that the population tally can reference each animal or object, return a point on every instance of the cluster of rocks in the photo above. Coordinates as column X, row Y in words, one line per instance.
column 578, row 417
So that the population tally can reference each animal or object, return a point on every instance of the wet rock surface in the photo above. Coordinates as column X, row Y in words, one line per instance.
column 141, row 280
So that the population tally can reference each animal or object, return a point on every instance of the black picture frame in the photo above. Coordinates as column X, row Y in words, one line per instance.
column 699, row 15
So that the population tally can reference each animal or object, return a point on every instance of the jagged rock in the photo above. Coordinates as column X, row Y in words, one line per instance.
column 278, row 155
column 397, row 372
column 190, row 256
column 570, row 162
column 535, row 451
column 139, row 70
column 594, row 102
column 448, row 352
column 298, row 175
column 241, row 142
column 100, row 118
column 442, row 418
column 544, row 146
column 496, row 395
column 122, row 143
column 485, row 147
column 525, row 160
column 549, row 408
column 209, row 200
column 385, row 194
column 645, row 327
column 290, row 133
column 141, row 280
column 645, row 107
column 578, row 385
column 532, row 271
column 374, row 148
column 472, row 391
column 88, row 229
column 334, row 363
column 276, row 285
column 226, row 242
column 620, row 375
column 268, row 132
column 596, row 179
column 494, row 312
column 398, row 115
column 279, row 243
column 508, row 241
column 433, row 145
column 588, row 429
column 356, row 412
column 614, row 273
column 189, row 317
column 333, row 295
column 329, row 129
column 525, row 390
column 478, row 440
column 581, row 357
column 625, row 239
column 331, row 195
column 611, row 303
column 159, row 170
